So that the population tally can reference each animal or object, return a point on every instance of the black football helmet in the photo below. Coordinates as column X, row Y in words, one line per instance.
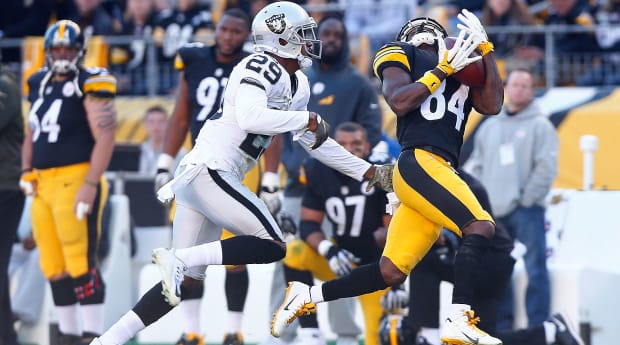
column 422, row 30
column 394, row 331
column 64, row 33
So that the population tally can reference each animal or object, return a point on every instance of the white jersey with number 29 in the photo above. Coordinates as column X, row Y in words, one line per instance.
column 260, row 101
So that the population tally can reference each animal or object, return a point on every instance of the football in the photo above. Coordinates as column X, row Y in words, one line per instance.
column 473, row 74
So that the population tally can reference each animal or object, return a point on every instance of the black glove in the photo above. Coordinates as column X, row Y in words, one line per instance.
column 321, row 133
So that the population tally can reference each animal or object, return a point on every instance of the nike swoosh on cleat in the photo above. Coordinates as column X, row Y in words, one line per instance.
column 473, row 340
column 289, row 303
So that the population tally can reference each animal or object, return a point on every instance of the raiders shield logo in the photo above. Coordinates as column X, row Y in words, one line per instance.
column 276, row 23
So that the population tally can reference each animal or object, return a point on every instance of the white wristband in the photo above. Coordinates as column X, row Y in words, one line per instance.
column 270, row 180
column 165, row 161
column 324, row 247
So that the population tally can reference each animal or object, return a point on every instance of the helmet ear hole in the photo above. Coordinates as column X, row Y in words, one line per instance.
column 282, row 42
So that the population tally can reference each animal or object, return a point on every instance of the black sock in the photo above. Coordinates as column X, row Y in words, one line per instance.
column 63, row 292
column 362, row 280
column 236, row 287
column 152, row 305
column 193, row 290
column 467, row 267
column 241, row 250
column 291, row 274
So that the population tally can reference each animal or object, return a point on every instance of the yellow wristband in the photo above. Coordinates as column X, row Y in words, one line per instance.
column 430, row 80
column 485, row 48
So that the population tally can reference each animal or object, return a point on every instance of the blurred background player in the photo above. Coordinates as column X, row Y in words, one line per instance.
column 358, row 226
column 11, row 198
column 72, row 123
column 203, row 75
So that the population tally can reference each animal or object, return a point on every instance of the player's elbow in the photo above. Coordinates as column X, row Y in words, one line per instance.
column 399, row 107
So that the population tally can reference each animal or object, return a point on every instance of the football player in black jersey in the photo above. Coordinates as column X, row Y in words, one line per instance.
column 359, row 226
column 184, row 23
column 203, row 74
column 432, row 109
column 72, row 123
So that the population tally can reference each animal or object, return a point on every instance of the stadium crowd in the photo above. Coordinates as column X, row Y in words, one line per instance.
column 583, row 55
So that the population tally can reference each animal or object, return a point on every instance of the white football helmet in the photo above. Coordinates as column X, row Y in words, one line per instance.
column 420, row 31
column 283, row 28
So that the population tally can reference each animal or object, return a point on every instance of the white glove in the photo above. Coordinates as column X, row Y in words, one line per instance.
column 393, row 203
column 341, row 261
column 26, row 183
column 270, row 192
column 81, row 210
column 163, row 176
column 457, row 58
column 472, row 25
column 395, row 298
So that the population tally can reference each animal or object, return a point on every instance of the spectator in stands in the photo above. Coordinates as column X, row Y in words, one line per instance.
column 507, row 12
column 187, row 21
column 607, row 68
column 63, row 169
column 379, row 22
column 154, row 122
column 94, row 20
column 128, row 61
column 20, row 19
column 318, row 9
column 11, row 198
column 438, row 266
column 570, row 12
column 515, row 157
column 341, row 94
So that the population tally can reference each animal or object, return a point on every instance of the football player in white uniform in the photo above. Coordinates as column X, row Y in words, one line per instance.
column 267, row 94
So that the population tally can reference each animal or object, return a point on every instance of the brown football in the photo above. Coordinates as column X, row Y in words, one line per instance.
column 473, row 74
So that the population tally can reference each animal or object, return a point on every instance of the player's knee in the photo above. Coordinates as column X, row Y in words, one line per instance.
column 480, row 227
column 390, row 273
column 89, row 288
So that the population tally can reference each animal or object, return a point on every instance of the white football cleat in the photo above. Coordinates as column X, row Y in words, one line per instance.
column 172, row 273
column 297, row 302
column 461, row 329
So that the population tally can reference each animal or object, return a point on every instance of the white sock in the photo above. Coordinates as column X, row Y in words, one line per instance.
column 458, row 308
column 550, row 331
column 69, row 319
column 316, row 293
column 92, row 318
column 189, row 310
column 430, row 334
column 235, row 319
column 204, row 254
column 123, row 330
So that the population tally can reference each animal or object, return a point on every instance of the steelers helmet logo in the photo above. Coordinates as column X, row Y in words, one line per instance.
column 276, row 23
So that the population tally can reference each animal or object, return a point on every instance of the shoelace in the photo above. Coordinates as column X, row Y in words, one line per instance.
column 472, row 321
